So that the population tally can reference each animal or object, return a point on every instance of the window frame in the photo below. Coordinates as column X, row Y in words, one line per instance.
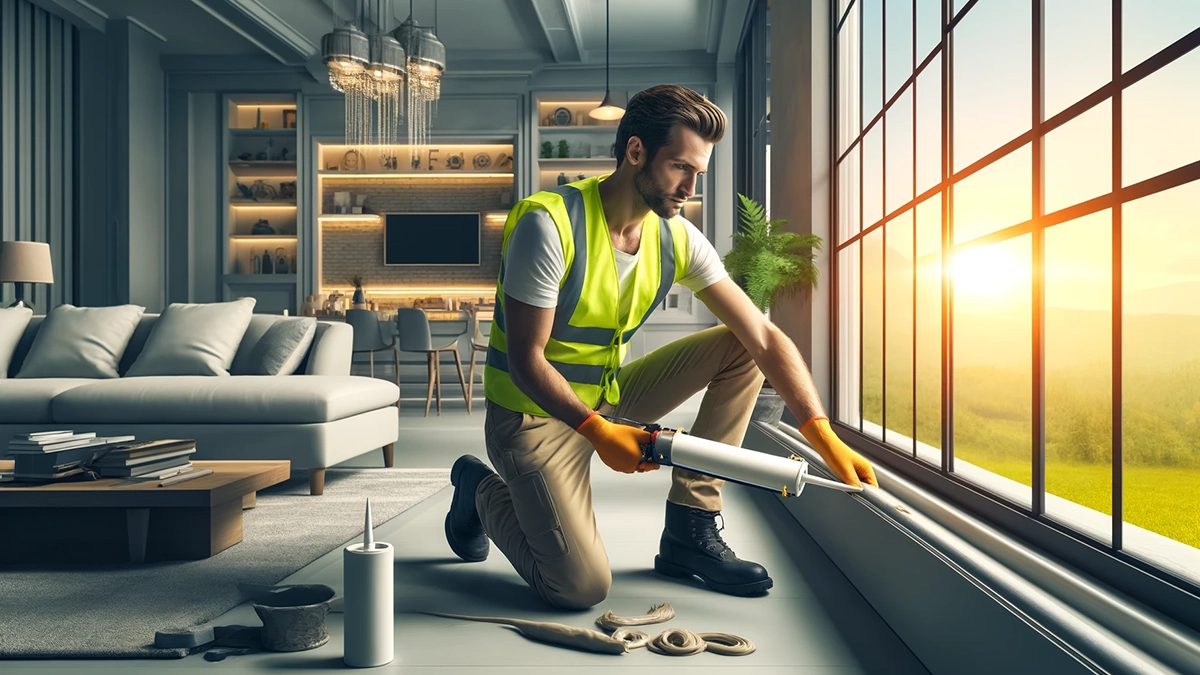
column 1171, row 594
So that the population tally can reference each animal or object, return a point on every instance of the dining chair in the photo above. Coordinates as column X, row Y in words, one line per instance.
column 369, row 338
column 479, row 345
column 413, row 334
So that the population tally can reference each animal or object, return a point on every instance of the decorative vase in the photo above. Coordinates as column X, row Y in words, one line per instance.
column 268, row 266
column 358, row 298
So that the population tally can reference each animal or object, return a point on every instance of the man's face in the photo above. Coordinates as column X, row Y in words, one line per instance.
column 667, row 181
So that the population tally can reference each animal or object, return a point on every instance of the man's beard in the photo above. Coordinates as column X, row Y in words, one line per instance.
column 650, row 193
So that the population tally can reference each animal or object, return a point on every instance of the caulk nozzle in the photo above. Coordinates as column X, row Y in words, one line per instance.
column 368, row 530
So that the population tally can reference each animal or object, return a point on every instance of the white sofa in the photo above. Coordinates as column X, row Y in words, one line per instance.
column 315, row 419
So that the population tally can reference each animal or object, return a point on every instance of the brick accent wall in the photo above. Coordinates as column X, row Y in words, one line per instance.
column 356, row 247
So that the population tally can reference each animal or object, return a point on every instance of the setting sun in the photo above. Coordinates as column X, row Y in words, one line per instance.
column 988, row 274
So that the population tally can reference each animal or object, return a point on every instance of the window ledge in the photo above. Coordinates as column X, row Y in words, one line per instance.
column 1110, row 629
column 1172, row 556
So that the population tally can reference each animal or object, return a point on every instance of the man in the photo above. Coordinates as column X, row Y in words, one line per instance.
column 583, row 266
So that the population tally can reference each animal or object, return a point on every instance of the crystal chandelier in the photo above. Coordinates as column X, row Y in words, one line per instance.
column 370, row 72
column 425, row 65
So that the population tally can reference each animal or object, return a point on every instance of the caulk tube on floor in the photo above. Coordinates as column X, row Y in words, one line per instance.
column 736, row 464
column 367, row 569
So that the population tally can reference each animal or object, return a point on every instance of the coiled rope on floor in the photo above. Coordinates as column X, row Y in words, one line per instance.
column 674, row 641
column 632, row 638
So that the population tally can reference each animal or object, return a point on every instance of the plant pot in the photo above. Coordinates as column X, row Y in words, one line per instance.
column 768, row 407
column 359, row 298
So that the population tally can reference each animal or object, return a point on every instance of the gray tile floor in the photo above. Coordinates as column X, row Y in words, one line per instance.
column 812, row 621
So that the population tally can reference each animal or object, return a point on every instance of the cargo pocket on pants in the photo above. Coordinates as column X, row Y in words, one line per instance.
column 537, row 516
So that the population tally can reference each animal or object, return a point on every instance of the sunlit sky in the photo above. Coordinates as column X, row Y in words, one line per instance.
column 993, row 105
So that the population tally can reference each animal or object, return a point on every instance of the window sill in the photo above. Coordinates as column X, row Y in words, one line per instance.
column 1096, row 623
column 1175, row 557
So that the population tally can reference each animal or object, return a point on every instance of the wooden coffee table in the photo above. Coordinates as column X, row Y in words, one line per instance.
column 118, row 519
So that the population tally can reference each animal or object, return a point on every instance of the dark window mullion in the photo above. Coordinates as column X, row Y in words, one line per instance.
column 835, row 396
column 1118, row 469
column 947, row 231
column 883, row 252
column 914, row 232
column 1038, row 402
column 861, row 222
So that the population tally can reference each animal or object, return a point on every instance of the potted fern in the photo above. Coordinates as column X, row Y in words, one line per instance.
column 769, row 262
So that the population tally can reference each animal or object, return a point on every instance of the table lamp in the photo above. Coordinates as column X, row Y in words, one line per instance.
column 25, row 262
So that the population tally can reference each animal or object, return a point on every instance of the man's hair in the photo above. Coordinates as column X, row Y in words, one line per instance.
column 653, row 113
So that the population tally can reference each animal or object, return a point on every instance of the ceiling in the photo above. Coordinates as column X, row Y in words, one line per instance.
column 480, row 35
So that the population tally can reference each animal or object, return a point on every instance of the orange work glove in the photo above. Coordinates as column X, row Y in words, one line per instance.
column 618, row 445
column 846, row 463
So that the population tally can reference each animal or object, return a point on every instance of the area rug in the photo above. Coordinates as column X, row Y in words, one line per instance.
column 113, row 611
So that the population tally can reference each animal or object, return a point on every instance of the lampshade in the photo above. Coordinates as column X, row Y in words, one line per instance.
column 345, row 50
column 606, row 111
column 25, row 262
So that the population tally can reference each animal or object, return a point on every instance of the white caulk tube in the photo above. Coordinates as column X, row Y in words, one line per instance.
column 739, row 465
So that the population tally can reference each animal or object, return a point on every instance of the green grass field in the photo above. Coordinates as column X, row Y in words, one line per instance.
column 1159, row 499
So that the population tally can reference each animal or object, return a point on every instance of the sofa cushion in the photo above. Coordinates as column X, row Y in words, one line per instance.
column 194, row 339
column 13, row 321
column 28, row 401
column 81, row 341
column 297, row 399
column 281, row 349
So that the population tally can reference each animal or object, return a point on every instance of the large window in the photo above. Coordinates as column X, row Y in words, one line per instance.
column 1018, row 255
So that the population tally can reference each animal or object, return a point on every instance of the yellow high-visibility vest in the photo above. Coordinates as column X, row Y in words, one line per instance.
column 589, row 338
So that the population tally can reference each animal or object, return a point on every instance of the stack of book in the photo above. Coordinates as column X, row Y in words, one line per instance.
column 151, row 459
column 53, row 455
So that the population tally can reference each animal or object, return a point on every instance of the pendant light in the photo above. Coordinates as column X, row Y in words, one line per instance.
column 606, row 111
column 426, row 64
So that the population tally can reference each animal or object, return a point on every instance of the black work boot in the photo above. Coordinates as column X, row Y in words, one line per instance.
column 464, row 530
column 691, row 544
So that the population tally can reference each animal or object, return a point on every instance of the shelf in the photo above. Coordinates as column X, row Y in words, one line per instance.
column 566, row 161
column 256, row 237
column 444, row 173
column 260, row 278
column 278, row 169
column 262, row 132
column 571, row 129
column 348, row 217
column 265, row 203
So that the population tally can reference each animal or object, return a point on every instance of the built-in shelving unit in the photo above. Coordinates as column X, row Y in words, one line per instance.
column 261, row 202
column 355, row 186
column 589, row 143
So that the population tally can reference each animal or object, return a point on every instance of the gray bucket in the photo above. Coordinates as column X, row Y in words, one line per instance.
column 294, row 619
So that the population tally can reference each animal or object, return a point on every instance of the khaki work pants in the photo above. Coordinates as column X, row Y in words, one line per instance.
column 540, row 515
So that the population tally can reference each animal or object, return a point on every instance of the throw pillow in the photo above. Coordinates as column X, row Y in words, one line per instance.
column 194, row 339
column 281, row 349
column 81, row 341
column 13, row 321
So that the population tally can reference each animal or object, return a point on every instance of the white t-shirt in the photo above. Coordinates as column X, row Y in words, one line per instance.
column 534, row 264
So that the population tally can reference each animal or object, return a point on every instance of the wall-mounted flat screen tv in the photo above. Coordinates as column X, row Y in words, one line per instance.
column 432, row 238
